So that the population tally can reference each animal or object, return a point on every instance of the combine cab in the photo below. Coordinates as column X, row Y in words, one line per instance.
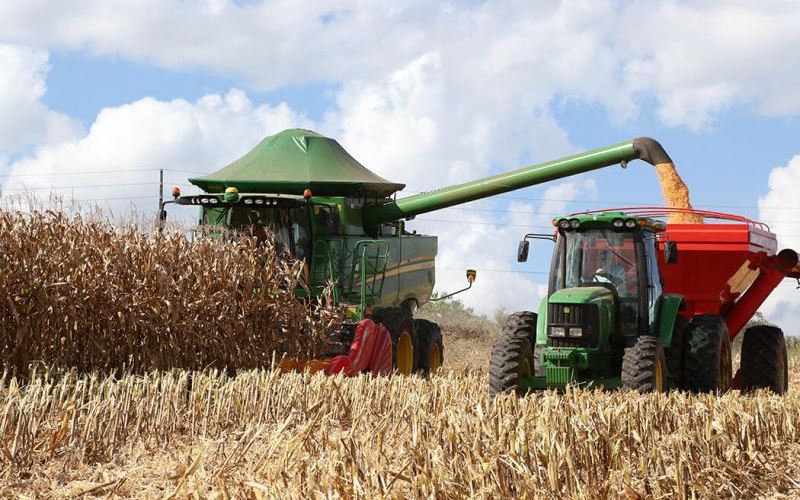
column 639, row 303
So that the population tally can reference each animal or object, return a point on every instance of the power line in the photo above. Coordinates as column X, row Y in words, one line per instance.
column 92, row 172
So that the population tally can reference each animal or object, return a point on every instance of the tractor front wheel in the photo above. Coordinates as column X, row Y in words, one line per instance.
column 709, row 363
column 513, row 355
column 644, row 367
column 764, row 360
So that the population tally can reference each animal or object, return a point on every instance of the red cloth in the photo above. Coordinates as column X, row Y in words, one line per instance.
column 371, row 351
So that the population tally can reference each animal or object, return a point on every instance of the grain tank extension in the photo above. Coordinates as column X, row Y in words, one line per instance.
column 330, row 211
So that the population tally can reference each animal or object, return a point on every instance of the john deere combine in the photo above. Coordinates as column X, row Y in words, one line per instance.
column 344, row 222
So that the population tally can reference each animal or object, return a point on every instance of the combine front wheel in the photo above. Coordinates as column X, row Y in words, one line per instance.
column 513, row 356
column 708, row 362
column 764, row 363
column 401, row 329
column 644, row 367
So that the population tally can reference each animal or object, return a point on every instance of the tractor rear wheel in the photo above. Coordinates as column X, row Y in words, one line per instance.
column 430, row 347
column 676, row 354
column 708, row 362
column 401, row 328
column 513, row 355
column 764, row 361
column 644, row 367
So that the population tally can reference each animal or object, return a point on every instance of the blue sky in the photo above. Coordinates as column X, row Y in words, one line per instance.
column 427, row 94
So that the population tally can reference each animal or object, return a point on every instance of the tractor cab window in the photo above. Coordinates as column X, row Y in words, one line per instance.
column 600, row 257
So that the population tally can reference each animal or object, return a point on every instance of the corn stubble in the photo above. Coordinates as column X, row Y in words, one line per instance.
column 265, row 435
column 77, row 292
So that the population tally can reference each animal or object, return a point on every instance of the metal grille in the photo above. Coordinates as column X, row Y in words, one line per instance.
column 586, row 316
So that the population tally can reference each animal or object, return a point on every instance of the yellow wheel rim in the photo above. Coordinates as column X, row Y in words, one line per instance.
column 660, row 386
column 435, row 360
column 405, row 354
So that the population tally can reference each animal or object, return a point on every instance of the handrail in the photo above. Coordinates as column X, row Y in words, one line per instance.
column 654, row 211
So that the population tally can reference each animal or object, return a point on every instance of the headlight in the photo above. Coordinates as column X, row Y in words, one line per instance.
column 574, row 223
column 563, row 224
column 558, row 331
column 618, row 223
column 630, row 223
column 576, row 331
column 259, row 201
column 248, row 201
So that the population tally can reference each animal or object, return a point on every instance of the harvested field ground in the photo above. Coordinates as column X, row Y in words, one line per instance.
column 262, row 435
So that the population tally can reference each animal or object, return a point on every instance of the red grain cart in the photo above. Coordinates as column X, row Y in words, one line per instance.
column 728, row 267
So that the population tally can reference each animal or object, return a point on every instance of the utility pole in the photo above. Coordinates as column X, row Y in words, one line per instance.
column 160, row 191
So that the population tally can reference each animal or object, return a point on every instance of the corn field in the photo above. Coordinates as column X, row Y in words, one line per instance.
column 260, row 434
column 78, row 292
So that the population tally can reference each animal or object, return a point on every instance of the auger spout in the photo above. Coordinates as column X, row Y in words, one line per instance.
column 643, row 148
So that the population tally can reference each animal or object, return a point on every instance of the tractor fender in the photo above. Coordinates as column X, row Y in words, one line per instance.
column 666, row 314
column 541, row 322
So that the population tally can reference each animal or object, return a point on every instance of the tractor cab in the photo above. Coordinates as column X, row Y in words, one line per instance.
column 614, row 253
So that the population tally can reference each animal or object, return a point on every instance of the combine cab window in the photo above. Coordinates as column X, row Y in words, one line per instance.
column 601, row 257
column 289, row 225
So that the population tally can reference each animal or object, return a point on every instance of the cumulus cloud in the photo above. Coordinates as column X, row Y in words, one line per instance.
column 118, row 159
column 780, row 208
column 26, row 121
column 695, row 59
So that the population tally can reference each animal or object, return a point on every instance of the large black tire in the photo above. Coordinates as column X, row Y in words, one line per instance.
column 513, row 354
column 764, row 361
column 708, row 361
column 676, row 354
column 429, row 346
column 644, row 367
column 399, row 323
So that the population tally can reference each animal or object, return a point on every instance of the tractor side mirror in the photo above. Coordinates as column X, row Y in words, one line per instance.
column 670, row 252
column 162, row 215
column 522, row 251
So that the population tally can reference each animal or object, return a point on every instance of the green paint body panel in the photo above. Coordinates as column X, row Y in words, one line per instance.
column 668, row 308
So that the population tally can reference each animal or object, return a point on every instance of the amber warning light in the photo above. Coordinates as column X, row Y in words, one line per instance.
column 176, row 191
column 307, row 193
column 471, row 275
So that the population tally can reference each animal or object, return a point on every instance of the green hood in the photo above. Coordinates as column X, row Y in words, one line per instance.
column 293, row 160
column 581, row 295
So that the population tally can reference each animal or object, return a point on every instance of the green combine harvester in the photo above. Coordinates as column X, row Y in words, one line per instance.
column 346, row 223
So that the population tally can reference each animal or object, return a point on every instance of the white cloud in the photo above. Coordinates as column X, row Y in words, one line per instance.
column 780, row 208
column 26, row 122
column 694, row 58
column 126, row 145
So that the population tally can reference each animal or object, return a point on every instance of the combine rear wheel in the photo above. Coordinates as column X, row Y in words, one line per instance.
column 764, row 361
column 401, row 328
column 708, row 360
column 430, row 348
column 644, row 367
column 513, row 355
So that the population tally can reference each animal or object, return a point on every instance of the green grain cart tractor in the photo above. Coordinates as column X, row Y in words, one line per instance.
column 346, row 223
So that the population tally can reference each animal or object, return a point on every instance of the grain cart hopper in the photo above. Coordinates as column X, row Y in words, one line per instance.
column 647, row 305
column 348, row 226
